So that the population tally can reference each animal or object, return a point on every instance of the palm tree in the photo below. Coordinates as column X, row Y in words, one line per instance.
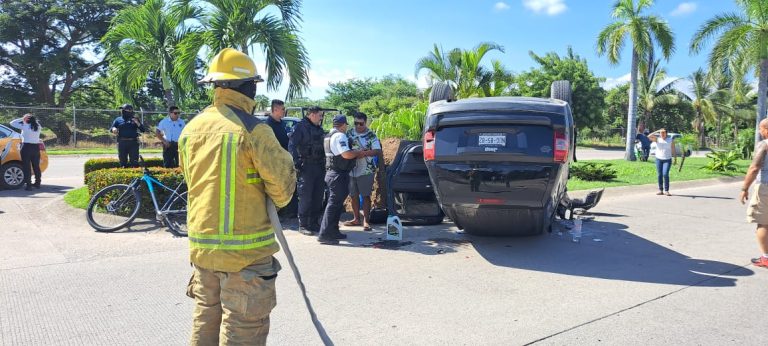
column 655, row 89
column 743, row 39
column 142, row 41
column 461, row 69
column 703, row 104
column 498, row 81
column 244, row 24
column 643, row 31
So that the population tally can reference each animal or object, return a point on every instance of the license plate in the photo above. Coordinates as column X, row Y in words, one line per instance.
column 499, row 139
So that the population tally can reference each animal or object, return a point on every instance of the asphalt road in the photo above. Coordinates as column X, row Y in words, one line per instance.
column 651, row 270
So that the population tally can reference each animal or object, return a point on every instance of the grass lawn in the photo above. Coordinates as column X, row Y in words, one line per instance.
column 91, row 151
column 639, row 173
column 78, row 198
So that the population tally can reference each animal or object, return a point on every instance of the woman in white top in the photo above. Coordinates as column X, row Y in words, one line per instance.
column 30, row 148
column 665, row 151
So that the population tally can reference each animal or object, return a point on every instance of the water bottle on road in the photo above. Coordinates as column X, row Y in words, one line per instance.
column 576, row 230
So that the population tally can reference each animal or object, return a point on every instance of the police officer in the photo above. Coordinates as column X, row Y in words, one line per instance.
column 232, row 164
column 340, row 159
column 306, row 146
column 127, row 128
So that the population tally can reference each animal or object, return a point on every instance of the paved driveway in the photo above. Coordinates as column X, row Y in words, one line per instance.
column 649, row 270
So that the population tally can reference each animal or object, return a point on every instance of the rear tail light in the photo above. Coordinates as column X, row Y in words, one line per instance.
column 429, row 145
column 494, row 201
column 561, row 147
column 42, row 146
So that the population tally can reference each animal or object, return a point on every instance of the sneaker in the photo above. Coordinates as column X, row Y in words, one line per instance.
column 659, row 193
column 760, row 261
column 327, row 241
column 36, row 185
column 667, row 193
column 306, row 231
column 28, row 188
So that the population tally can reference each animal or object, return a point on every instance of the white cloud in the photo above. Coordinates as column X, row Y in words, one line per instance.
column 684, row 8
column 422, row 82
column 501, row 6
column 611, row 83
column 550, row 7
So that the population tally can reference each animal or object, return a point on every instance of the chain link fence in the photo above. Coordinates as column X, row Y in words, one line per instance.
column 73, row 127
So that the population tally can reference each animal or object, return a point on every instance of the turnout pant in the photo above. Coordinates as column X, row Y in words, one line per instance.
column 233, row 308
column 128, row 152
column 30, row 158
column 171, row 155
column 338, row 186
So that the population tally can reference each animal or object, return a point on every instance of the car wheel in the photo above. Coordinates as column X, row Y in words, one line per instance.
column 561, row 90
column 440, row 91
column 12, row 176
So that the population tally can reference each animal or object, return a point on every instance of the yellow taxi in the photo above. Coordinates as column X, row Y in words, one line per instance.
column 11, row 174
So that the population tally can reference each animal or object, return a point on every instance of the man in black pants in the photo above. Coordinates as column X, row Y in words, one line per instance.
column 306, row 146
column 127, row 128
column 340, row 159
column 168, row 132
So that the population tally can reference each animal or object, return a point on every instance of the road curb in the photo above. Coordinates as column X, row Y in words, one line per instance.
column 624, row 191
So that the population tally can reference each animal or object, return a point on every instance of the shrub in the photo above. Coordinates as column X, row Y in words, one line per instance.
column 104, row 163
column 722, row 161
column 102, row 178
column 405, row 123
column 593, row 171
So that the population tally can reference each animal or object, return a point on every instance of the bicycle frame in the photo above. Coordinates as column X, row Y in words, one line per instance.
column 150, row 181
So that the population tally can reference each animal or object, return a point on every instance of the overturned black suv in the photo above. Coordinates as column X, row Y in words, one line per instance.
column 499, row 165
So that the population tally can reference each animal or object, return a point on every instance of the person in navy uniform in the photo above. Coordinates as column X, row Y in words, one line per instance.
column 168, row 132
column 340, row 160
column 126, row 128
column 306, row 146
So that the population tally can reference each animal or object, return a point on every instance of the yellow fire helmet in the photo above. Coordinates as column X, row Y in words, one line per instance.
column 230, row 66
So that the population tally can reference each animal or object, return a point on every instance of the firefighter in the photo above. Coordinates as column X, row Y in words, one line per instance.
column 232, row 163
column 306, row 146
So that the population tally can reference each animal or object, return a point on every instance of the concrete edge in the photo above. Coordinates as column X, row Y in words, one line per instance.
column 623, row 191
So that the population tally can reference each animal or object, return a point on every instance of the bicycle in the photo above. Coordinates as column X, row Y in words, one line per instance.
column 116, row 206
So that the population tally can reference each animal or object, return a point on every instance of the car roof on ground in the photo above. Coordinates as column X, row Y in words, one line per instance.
column 506, row 103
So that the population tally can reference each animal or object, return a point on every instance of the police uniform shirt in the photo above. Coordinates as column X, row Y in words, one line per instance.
column 171, row 129
column 126, row 128
column 339, row 143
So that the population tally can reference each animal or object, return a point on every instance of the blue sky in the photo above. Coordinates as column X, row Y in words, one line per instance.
column 365, row 38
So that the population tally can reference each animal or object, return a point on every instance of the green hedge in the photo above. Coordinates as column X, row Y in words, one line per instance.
column 104, row 163
column 102, row 178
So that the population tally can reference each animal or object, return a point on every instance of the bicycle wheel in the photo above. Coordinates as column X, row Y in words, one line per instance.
column 176, row 216
column 113, row 207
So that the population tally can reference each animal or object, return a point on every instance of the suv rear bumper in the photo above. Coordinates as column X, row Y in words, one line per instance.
column 498, row 220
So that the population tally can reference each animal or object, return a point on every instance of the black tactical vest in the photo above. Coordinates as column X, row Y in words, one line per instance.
column 335, row 162
column 310, row 148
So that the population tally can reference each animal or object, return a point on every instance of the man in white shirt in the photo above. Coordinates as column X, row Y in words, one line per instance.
column 340, row 159
column 168, row 132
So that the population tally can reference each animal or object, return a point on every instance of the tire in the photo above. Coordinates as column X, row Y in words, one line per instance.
column 441, row 91
column 101, row 209
column 561, row 90
column 11, row 175
column 177, row 221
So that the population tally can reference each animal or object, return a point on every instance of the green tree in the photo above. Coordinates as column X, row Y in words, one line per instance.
column 703, row 105
column 616, row 106
column 588, row 96
column 372, row 96
column 743, row 40
column 145, row 40
column 643, row 31
column 461, row 69
column 42, row 46
column 272, row 25
column 654, row 89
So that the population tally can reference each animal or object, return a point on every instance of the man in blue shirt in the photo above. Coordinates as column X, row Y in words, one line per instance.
column 645, row 144
column 126, row 128
column 168, row 132
column 275, row 121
